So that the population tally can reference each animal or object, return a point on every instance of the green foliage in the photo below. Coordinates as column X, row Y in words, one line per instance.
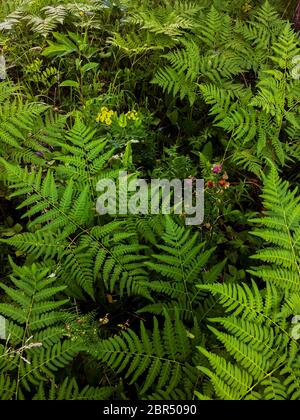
column 281, row 231
column 69, row 390
column 261, row 360
column 37, row 345
column 160, row 359
column 16, row 119
column 122, row 306
column 256, row 116
column 179, row 266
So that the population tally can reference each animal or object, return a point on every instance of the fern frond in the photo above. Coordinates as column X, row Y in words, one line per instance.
column 69, row 390
column 159, row 359
column 280, row 230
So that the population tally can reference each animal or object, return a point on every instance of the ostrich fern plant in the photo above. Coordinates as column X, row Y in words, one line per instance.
column 37, row 345
column 261, row 358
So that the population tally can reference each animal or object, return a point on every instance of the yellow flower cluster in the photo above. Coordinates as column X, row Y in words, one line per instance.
column 105, row 116
column 132, row 115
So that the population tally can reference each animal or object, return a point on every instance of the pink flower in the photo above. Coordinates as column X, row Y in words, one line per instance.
column 217, row 168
